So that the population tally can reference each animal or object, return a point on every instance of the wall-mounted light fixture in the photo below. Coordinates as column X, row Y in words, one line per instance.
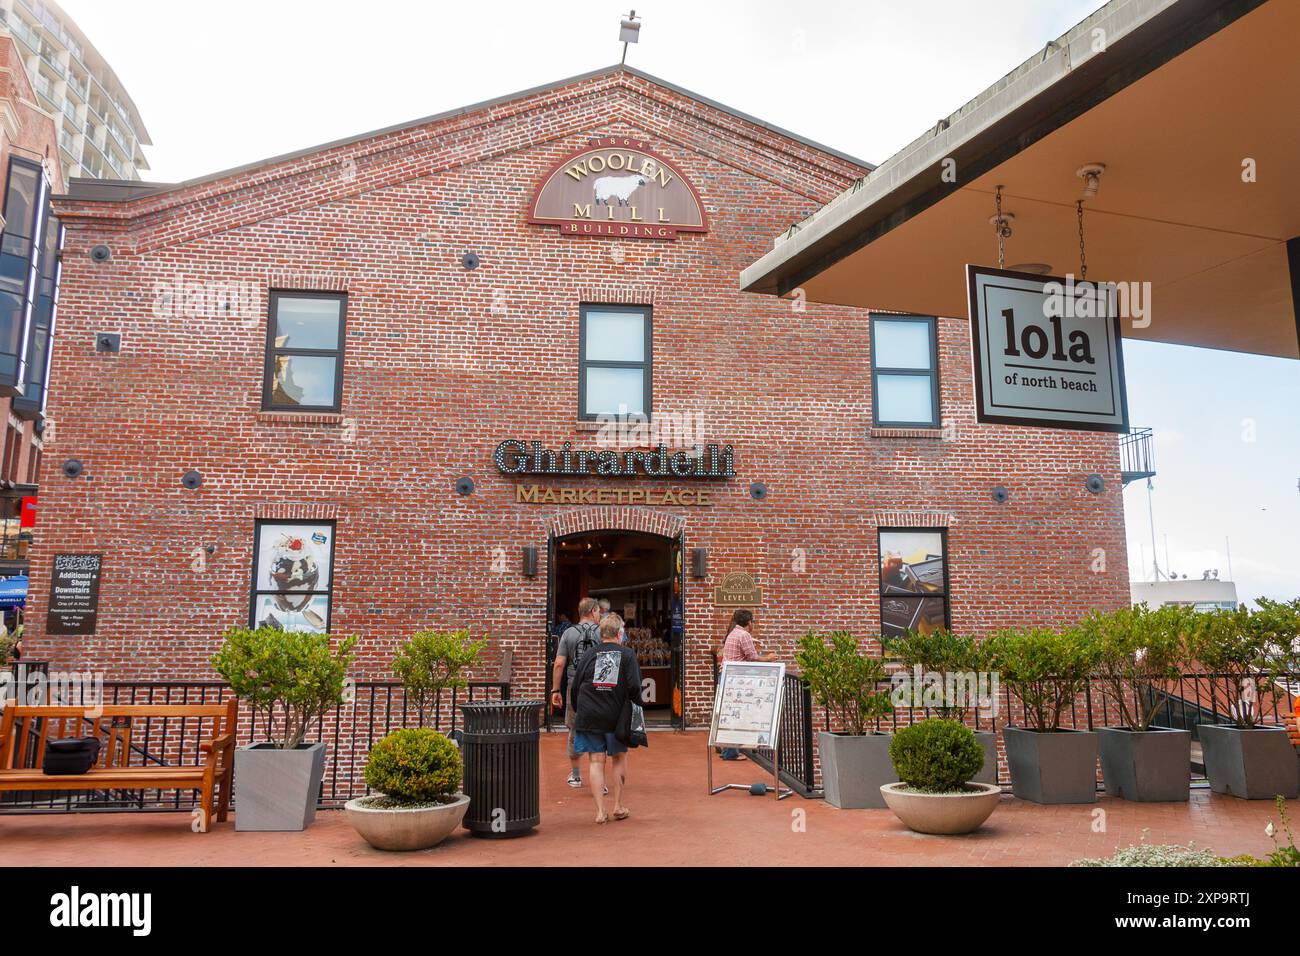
column 699, row 562
column 530, row 561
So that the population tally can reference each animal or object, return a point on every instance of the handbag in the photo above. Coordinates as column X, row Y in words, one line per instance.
column 630, row 729
column 70, row 756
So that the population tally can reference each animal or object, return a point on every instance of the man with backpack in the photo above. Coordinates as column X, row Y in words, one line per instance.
column 575, row 644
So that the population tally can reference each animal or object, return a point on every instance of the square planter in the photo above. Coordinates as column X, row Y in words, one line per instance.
column 854, row 769
column 1257, row 764
column 277, row 789
column 1059, row 766
column 989, row 772
column 1150, row 766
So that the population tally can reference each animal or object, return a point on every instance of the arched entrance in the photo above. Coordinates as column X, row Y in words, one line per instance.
column 632, row 558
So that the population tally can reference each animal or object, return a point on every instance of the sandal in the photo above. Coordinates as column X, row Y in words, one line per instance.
column 603, row 818
column 622, row 814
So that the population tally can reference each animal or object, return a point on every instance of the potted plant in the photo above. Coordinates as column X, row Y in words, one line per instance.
column 1252, row 651
column 943, row 672
column 299, row 677
column 1140, row 652
column 1046, row 670
column 935, row 760
column 434, row 661
column 416, row 773
column 855, row 760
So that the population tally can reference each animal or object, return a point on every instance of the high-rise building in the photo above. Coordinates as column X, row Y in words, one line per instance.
column 100, row 133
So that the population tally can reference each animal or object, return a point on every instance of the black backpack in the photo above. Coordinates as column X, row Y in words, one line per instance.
column 587, row 641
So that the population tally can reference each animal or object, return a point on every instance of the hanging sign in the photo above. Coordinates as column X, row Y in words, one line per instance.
column 618, row 187
column 1047, row 351
column 747, row 709
column 74, row 594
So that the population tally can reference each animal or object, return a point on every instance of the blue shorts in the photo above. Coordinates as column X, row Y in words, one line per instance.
column 585, row 743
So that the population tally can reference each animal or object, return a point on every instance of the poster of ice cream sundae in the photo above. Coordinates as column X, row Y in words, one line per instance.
column 293, row 575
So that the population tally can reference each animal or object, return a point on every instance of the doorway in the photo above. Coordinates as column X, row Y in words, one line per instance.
column 640, row 575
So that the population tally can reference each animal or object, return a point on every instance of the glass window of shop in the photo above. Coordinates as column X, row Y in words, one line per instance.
column 913, row 580
column 304, row 352
column 614, row 360
column 904, row 371
column 293, row 575
column 25, row 215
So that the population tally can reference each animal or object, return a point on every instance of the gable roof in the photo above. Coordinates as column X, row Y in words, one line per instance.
column 99, row 190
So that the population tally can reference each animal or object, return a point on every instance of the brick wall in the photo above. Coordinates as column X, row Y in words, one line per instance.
column 442, row 363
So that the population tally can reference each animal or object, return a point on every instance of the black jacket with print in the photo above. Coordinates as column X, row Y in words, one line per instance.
column 607, row 677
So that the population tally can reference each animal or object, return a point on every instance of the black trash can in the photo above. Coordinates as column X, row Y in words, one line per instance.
column 502, row 775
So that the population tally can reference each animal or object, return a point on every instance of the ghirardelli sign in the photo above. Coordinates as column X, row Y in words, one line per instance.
column 620, row 188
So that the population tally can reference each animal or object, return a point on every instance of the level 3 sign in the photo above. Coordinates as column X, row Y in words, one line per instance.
column 1047, row 351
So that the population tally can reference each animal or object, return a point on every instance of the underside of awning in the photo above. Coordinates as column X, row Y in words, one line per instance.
column 1191, row 107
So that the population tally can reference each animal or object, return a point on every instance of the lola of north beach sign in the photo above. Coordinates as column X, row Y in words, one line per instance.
column 620, row 188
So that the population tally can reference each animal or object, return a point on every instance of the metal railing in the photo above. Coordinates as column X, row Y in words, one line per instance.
column 375, row 709
column 1184, row 704
column 1137, row 454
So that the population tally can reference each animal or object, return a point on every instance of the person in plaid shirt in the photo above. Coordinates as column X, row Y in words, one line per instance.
column 739, row 646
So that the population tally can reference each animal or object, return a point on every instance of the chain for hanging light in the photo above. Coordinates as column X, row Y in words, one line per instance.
column 1000, row 226
column 1083, row 253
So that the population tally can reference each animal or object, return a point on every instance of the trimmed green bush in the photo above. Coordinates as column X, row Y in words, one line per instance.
column 844, row 680
column 415, row 765
column 297, row 674
column 936, row 756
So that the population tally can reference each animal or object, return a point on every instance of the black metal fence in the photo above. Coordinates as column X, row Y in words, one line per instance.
column 374, row 709
column 1184, row 704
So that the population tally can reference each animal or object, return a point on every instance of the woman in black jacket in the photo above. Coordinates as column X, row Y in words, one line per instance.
column 606, row 680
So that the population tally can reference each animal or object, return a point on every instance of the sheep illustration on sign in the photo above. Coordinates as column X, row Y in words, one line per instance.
column 618, row 187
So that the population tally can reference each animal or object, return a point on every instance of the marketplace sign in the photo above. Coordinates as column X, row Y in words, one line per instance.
column 1047, row 351
column 618, row 187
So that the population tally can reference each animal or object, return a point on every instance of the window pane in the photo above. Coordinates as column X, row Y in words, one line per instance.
column 911, row 562
column 292, row 612
column 304, row 380
column 293, row 557
column 904, row 398
column 307, row 323
column 616, row 336
column 609, row 388
column 20, row 201
column 903, row 345
column 901, row 614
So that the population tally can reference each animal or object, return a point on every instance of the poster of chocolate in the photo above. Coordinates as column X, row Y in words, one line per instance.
column 74, row 594
column 912, row 582
column 292, row 576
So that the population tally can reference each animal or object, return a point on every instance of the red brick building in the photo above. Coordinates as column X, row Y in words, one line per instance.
column 332, row 341
column 30, row 174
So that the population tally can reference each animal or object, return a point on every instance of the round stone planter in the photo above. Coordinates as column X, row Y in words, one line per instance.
column 403, row 828
column 942, row 812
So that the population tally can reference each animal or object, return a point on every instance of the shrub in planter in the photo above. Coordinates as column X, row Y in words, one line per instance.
column 1252, row 652
column 855, row 762
column 7, row 642
column 934, row 760
column 434, row 661
column 943, row 673
column 1046, row 670
column 296, row 677
column 417, row 774
column 1139, row 653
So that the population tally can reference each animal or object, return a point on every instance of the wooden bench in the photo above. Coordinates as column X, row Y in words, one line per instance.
column 112, row 723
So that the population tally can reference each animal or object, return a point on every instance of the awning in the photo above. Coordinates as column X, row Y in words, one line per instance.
column 1190, row 106
column 13, row 591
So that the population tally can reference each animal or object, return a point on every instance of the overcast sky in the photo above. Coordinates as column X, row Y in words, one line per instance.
column 224, row 84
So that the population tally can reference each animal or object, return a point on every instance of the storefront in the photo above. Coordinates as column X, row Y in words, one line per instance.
column 462, row 372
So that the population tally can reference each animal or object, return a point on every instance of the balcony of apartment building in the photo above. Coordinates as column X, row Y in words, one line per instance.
column 1137, row 455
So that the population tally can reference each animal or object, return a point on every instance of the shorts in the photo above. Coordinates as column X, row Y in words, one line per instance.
column 585, row 743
